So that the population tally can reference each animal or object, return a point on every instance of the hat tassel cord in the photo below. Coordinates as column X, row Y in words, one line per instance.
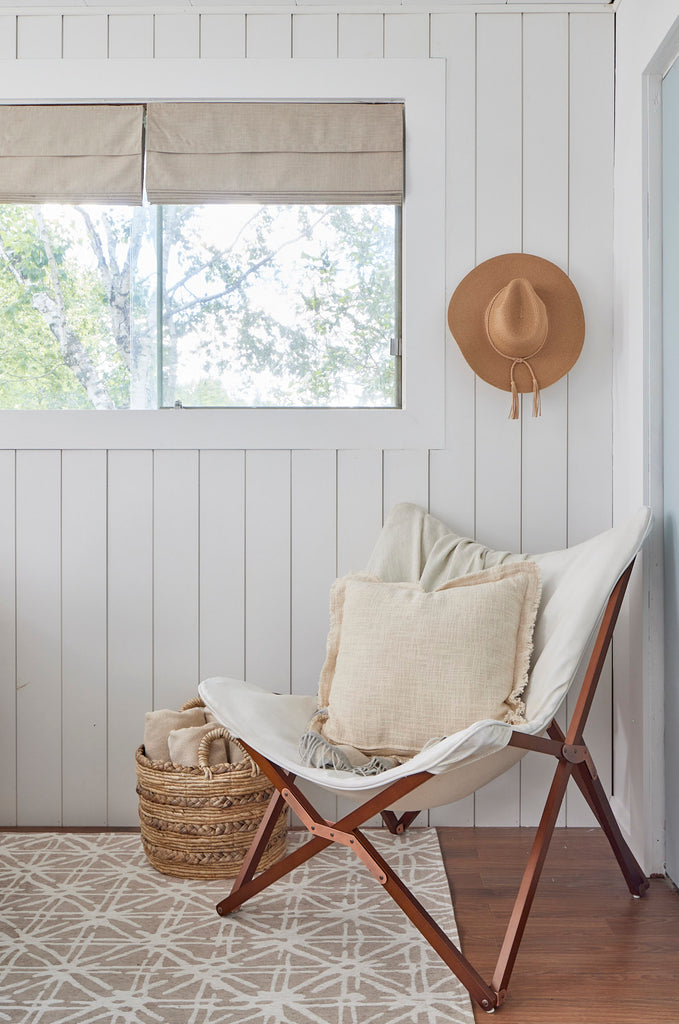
column 537, row 402
column 514, row 411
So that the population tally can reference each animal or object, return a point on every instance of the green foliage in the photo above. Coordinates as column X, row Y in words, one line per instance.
column 261, row 306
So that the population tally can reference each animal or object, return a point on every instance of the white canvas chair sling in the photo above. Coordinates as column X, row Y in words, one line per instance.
column 269, row 726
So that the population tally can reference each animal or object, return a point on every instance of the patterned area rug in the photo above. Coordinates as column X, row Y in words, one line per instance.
column 90, row 933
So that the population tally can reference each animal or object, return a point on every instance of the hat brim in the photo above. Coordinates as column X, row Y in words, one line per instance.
column 566, row 320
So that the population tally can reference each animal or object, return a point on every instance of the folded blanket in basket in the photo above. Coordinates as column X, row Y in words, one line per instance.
column 184, row 744
column 159, row 724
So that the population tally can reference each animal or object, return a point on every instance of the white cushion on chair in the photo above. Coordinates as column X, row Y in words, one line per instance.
column 405, row 666
column 576, row 585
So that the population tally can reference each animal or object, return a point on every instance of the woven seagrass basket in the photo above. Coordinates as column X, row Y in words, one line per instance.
column 200, row 822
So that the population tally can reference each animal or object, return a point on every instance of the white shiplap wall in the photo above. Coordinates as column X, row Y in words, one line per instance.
column 129, row 575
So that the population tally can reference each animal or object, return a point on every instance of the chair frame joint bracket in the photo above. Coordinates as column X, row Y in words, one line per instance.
column 327, row 830
column 576, row 753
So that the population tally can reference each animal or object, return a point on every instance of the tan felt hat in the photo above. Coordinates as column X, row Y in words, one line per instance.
column 519, row 323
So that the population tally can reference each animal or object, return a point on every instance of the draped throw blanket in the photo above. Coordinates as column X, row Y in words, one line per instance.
column 413, row 547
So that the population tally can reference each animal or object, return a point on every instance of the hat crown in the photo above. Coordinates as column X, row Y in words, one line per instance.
column 516, row 320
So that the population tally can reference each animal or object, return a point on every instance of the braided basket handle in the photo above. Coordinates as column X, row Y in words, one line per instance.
column 204, row 750
column 192, row 702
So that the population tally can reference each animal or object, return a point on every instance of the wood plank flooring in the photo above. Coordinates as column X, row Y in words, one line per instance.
column 591, row 954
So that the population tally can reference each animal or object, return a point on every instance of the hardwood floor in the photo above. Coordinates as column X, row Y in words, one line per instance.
column 591, row 954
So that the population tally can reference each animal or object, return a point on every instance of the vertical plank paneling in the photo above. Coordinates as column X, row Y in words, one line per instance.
column 499, row 129
column 8, row 679
column 39, row 36
column 268, row 35
column 8, row 37
column 591, row 263
column 83, row 595
column 246, row 545
column 267, row 565
column 175, row 577
column 359, row 507
column 359, row 520
column 314, row 528
column 130, row 36
column 361, row 35
column 314, row 35
column 85, row 36
column 130, row 622
column 222, row 36
column 545, row 233
column 406, row 478
column 176, row 35
column 499, row 204
column 222, row 563
column 406, row 35
column 452, row 471
column 591, row 268
column 38, row 597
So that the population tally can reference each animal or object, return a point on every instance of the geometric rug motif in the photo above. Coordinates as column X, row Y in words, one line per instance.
column 90, row 933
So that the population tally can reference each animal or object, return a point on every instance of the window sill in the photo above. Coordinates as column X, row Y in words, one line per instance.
column 219, row 428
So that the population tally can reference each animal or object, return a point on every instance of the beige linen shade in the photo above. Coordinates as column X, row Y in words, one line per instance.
column 274, row 152
column 71, row 153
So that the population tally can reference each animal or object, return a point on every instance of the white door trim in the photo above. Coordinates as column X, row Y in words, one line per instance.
column 653, row 652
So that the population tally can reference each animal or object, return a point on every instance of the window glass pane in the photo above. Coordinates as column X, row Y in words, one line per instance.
column 279, row 306
column 77, row 307
column 259, row 306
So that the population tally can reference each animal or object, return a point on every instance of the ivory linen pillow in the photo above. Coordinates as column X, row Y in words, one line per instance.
column 405, row 665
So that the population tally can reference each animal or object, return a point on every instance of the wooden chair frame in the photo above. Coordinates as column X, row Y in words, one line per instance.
column 573, row 759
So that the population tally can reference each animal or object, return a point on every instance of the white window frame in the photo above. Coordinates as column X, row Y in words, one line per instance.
column 420, row 84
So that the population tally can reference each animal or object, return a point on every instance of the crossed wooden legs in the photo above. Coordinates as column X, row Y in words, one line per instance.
column 573, row 759
column 346, row 833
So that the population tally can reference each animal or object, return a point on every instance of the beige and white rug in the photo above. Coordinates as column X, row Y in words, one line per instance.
column 90, row 933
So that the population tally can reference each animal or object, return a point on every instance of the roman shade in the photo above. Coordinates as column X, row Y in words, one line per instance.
column 274, row 152
column 71, row 153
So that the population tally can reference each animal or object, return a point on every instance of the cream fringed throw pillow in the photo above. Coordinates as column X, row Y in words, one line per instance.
column 405, row 666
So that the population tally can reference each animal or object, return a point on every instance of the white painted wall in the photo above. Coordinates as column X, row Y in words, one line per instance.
column 641, row 29
column 129, row 574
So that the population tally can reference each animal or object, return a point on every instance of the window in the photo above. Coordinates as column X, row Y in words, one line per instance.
column 223, row 305
column 419, row 85
column 236, row 298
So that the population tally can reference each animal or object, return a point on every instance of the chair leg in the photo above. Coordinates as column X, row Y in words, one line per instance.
column 240, row 894
column 263, row 835
column 245, row 888
column 636, row 880
column 531, row 877
column 595, row 795
column 479, row 990
column 397, row 826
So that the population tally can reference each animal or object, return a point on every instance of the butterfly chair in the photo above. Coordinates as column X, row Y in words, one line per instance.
column 583, row 589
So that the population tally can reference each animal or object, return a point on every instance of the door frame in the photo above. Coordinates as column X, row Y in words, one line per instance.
column 653, row 652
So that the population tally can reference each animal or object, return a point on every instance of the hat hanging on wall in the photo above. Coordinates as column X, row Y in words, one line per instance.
column 519, row 323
